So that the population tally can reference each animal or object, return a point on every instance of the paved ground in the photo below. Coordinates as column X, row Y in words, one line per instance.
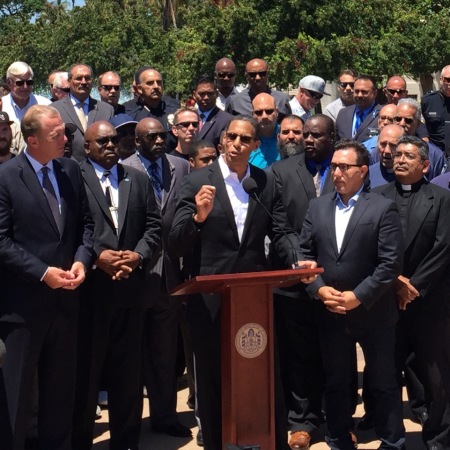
column 154, row 441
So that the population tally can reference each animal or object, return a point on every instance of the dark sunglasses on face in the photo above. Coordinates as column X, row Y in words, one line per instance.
column 225, row 74
column 446, row 79
column 396, row 91
column 186, row 124
column 20, row 83
column 259, row 112
column 243, row 138
column 63, row 89
column 314, row 95
column 261, row 74
column 344, row 84
column 109, row 87
column 153, row 136
column 408, row 120
column 105, row 140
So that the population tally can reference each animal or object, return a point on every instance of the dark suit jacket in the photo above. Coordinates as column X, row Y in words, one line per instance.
column 344, row 123
column 427, row 246
column 215, row 243
column 214, row 125
column 174, row 170
column 29, row 238
column 295, row 182
column 369, row 261
column 97, row 111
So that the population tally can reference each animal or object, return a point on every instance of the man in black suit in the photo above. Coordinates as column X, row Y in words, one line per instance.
column 163, row 313
column 356, row 237
column 212, row 120
column 296, row 328
column 126, row 237
column 45, row 247
column 357, row 121
column 423, row 289
column 225, row 229
column 80, row 108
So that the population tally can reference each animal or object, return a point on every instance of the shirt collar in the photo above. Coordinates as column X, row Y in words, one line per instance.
column 37, row 166
column 341, row 205
column 99, row 170
column 147, row 163
column 76, row 101
column 367, row 110
column 230, row 175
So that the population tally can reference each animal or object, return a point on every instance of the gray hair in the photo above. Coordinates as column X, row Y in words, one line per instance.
column 414, row 104
column 18, row 68
column 59, row 78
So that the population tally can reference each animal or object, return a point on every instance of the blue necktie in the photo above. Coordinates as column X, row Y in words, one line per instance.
column 50, row 193
column 155, row 179
column 358, row 121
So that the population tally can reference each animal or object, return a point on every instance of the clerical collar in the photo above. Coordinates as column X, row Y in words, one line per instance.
column 406, row 187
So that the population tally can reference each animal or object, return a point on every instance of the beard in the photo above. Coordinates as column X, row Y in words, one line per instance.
column 289, row 149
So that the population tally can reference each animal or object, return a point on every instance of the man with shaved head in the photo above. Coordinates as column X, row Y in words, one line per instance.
column 265, row 112
column 257, row 74
column 225, row 76
column 109, row 87
column 126, row 238
column 163, row 313
column 395, row 89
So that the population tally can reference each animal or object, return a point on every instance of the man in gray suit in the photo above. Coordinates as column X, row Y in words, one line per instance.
column 80, row 108
column 163, row 314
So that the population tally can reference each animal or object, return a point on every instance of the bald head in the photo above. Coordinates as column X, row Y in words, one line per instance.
column 265, row 112
column 387, row 144
column 150, row 138
column 395, row 89
column 386, row 116
column 256, row 72
column 100, row 144
column 225, row 64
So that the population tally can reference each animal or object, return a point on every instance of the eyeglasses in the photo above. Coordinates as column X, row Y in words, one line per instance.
column 396, row 91
column 261, row 74
column 260, row 112
column 344, row 84
column 231, row 137
column 225, row 74
column 408, row 120
column 63, row 89
column 20, row 83
column 314, row 95
column 446, row 79
column 110, row 87
column 206, row 94
column 186, row 124
column 105, row 140
column 343, row 167
column 389, row 119
column 153, row 136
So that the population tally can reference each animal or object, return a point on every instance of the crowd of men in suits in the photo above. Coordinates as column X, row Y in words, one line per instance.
column 106, row 207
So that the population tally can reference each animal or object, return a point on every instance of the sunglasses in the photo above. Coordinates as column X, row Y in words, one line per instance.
column 153, row 136
column 225, row 74
column 63, row 89
column 314, row 95
column 396, row 91
column 186, row 124
column 243, row 138
column 260, row 112
column 446, row 79
column 22, row 82
column 105, row 140
column 110, row 87
column 344, row 84
column 254, row 74
column 408, row 120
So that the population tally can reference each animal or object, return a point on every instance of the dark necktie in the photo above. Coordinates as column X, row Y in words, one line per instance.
column 153, row 170
column 201, row 122
column 112, row 208
column 359, row 121
column 108, row 196
column 52, row 199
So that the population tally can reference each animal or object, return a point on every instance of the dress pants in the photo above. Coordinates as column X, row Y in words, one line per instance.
column 110, row 344
column 300, row 361
column 338, row 345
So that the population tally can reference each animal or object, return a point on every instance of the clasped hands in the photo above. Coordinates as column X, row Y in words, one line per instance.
column 56, row 278
column 118, row 264
column 405, row 292
column 336, row 301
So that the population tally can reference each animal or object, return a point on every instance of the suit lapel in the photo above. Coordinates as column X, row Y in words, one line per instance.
column 209, row 123
column 367, row 121
column 31, row 181
column 252, row 204
column 64, row 188
column 124, row 195
column 330, row 224
column 70, row 109
column 92, row 111
column 217, row 180
column 168, row 181
column 93, row 183
column 305, row 178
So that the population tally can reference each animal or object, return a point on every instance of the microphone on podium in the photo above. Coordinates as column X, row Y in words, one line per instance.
column 250, row 187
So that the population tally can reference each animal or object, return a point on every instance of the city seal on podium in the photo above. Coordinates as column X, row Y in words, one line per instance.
column 251, row 340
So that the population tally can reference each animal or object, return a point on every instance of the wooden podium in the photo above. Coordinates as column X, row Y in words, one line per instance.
column 248, row 406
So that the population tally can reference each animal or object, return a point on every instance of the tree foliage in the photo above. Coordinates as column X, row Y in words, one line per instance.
column 184, row 38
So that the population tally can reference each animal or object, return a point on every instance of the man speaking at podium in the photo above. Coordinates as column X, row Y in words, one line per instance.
column 224, row 228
